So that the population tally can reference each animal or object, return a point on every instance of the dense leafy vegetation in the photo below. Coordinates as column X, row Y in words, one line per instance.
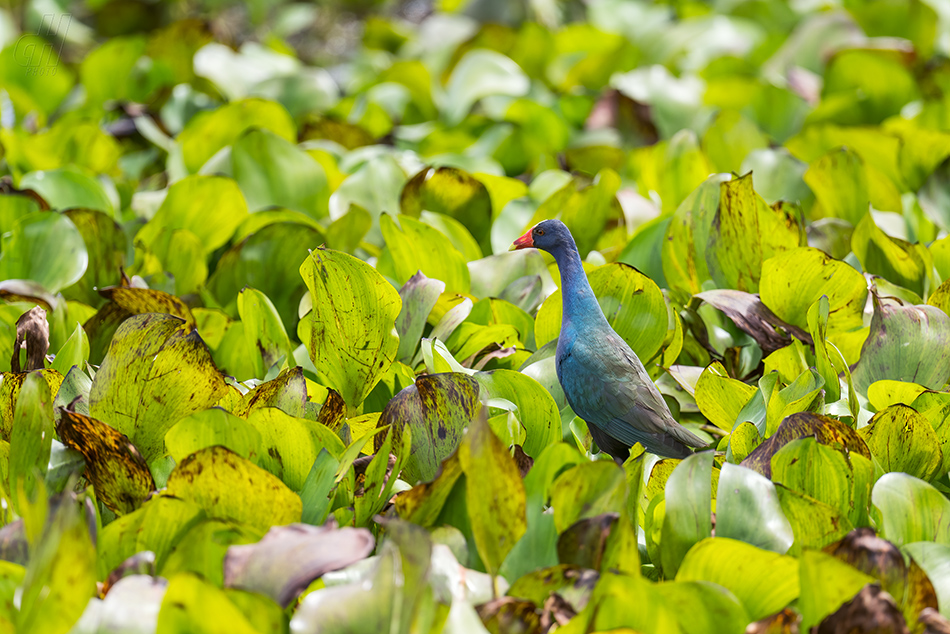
column 257, row 259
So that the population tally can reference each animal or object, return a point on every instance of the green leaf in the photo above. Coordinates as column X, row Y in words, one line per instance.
column 745, row 232
column 351, row 303
column 290, row 445
column 840, row 183
column 455, row 193
column 765, row 582
column 209, row 132
column 793, row 281
column 273, row 171
column 720, row 398
column 496, row 504
column 419, row 295
column 228, row 487
column 68, row 188
column 814, row 523
column 818, row 316
column 212, row 427
column 114, row 467
column 688, row 517
column 436, row 408
column 268, row 260
column 416, row 247
column 61, row 576
column 748, row 509
column 536, row 410
column 317, row 491
column 203, row 548
column 729, row 139
column 157, row 372
column 30, row 438
column 191, row 603
column 910, row 510
column 210, row 207
column 263, row 331
column 895, row 260
column 481, row 73
column 46, row 248
column 906, row 343
column 827, row 475
column 826, row 583
column 106, row 245
column 632, row 303
column 587, row 490
column 900, row 439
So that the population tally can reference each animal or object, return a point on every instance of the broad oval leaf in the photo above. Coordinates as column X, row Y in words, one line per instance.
column 436, row 409
column 900, row 439
column 157, row 371
column 632, row 303
column 353, row 339
column 906, row 343
column 415, row 247
column 897, row 261
column 748, row 509
column 826, row 583
column 211, row 427
column 587, row 490
column 688, row 516
column 910, row 510
column 721, row 398
column 46, row 248
column 792, row 281
column 453, row 192
column 289, row 445
column 537, row 410
column 765, row 582
column 228, row 487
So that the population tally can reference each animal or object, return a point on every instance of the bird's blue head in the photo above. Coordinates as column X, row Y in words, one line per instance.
column 552, row 236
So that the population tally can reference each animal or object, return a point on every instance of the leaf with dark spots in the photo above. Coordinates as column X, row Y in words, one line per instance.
column 570, row 582
column 906, row 343
column 106, row 244
column 422, row 503
column 230, row 488
column 10, row 390
column 125, row 301
column 289, row 558
column 903, row 440
column 114, row 466
column 290, row 444
column 32, row 334
column 30, row 442
column 919, row 595
column 352, row 339
column 745, row 232
column 584, row 542
column 287, row 392
column 157, row 371
column 873, row 556
column 436, row 409
column 826, row 430
column 497, row 505
column 754, row 318
column 333, row 412
column 506, row 614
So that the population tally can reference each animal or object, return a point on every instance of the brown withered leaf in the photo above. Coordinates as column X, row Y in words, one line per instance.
column 333, row 412
column 871, row 611
column 523, row 460
column 287, row 392
column 920, row 597
column 290, row 557
column 584, row 542
column 754, row 318
column 785, row 622
column 114, row 466
column 32, row 333
column 933, row 622
column 422, row 503
column 875, row 557
column 826, row 430
column 556, row 612
column 507, row 614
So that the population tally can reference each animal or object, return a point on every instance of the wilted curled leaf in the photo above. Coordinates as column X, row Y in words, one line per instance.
column 114, row 466
column 507, row 614
column 754, row 318
column 32, row 333
column 826, row 430
column 422, row 503
column 872, row 610
column 288, row 558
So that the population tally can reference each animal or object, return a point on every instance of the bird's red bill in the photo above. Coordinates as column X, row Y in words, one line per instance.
column 524, row 241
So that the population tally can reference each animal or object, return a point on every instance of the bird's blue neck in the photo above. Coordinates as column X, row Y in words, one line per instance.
column 578, row 300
